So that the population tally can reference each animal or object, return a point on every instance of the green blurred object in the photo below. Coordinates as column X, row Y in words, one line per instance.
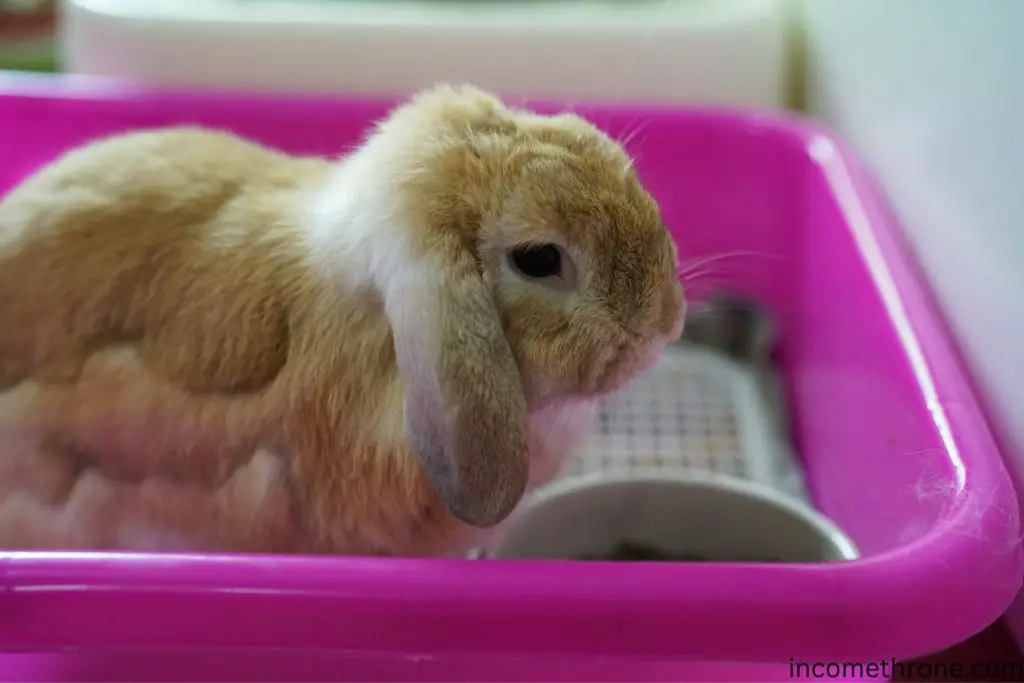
column 42, row 59
column 27, row 29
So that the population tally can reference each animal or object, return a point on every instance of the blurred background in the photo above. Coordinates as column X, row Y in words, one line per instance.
column 924, row 90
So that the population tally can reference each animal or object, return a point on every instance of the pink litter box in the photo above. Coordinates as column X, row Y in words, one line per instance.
column 892, row 443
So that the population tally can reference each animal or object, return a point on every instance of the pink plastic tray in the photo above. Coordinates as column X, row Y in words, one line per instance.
column 885, row 419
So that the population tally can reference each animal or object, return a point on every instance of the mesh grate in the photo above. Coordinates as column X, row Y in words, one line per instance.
column 696, row 409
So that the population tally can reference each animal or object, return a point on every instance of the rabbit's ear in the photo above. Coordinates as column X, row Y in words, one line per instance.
column 465, row 412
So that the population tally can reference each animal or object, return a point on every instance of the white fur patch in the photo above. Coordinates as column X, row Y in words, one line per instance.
column 359, row 239
column 355, row 235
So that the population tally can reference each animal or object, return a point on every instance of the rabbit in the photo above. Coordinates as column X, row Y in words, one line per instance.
column 207, row 344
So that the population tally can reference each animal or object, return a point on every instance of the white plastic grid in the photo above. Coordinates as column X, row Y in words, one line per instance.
column 696, row 409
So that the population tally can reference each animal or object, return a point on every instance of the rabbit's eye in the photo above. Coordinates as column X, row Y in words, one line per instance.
column 537, row 261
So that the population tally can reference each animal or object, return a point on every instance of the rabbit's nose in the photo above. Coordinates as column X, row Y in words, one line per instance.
column 659, row 318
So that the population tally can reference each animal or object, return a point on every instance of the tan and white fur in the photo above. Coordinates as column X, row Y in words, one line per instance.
column 206, row 344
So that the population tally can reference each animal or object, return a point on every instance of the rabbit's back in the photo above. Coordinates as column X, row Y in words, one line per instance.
column 134, row 237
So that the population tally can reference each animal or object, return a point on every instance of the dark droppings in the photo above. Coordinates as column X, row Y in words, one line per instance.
column 631, row 551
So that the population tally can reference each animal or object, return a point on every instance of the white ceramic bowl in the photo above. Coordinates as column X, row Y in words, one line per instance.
column 713, row 517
